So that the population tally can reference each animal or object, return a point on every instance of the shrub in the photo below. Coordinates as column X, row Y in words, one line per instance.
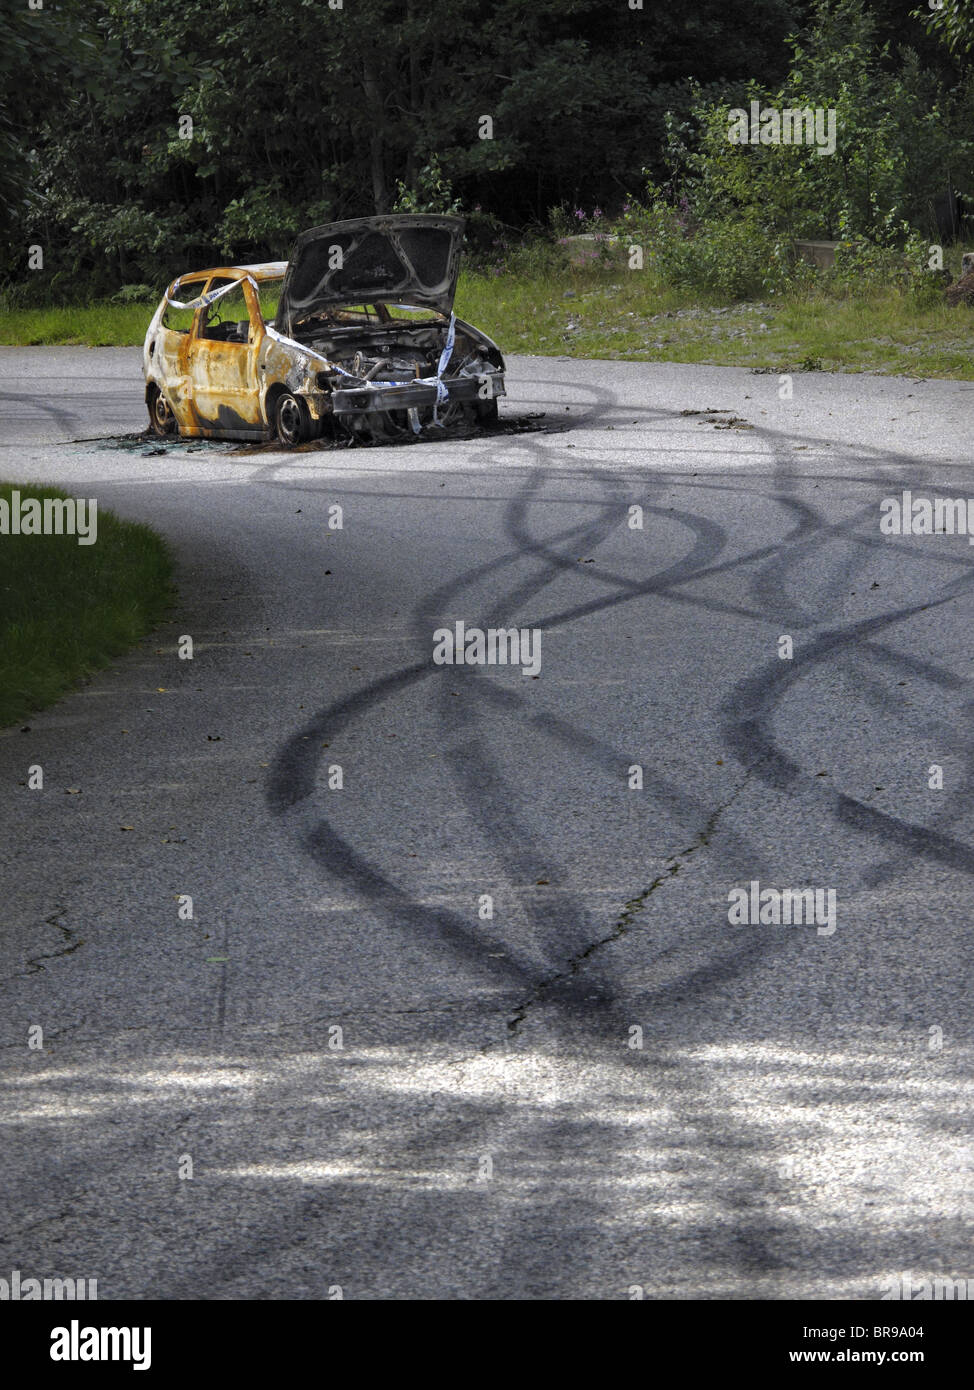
column 900, row 139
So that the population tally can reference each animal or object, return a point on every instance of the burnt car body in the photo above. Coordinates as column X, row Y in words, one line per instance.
column 355, row 334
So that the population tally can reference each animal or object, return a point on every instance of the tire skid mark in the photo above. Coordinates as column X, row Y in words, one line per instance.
column 488, row 800
column 749, row 712
column 751, row 1236
column 71, row 938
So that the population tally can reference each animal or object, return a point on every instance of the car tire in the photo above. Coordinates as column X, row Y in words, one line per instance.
column 162, row 421
column 292, row 420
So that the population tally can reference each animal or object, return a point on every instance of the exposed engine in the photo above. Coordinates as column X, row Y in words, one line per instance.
column 390, row 364
column 397, row 353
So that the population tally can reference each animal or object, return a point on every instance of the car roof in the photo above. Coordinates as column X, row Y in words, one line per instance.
column 262, row 270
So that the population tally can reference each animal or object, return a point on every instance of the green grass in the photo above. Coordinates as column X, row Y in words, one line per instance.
column 67, row 609
column 92, row 325
column 621, row 314
column 616, row 313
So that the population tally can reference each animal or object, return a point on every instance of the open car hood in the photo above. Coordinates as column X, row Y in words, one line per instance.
column 405, row 259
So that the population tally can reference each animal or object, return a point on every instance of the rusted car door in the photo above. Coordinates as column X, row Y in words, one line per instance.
column 173, row 345
column 224, row 346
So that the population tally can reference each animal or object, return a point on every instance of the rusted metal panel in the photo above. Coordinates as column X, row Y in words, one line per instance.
column 223, row 374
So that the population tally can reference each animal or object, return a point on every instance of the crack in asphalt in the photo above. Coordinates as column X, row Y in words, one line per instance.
column 630, row 910
column 575, row 962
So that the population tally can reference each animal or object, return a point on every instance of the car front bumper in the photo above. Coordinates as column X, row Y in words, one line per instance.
column 408, row 395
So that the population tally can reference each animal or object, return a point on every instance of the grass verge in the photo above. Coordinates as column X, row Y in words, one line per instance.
column 67, row 609
column 91, row 325
column 614, row 313
column 605, row 314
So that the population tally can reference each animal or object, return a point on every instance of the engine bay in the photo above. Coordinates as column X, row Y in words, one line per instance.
column 394, row 351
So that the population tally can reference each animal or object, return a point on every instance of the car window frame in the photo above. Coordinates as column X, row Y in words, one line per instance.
column 176, row 290
column 256, row 289
column 252, row 300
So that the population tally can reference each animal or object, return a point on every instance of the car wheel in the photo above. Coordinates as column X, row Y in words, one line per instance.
column 161, row 419
column 292, row 420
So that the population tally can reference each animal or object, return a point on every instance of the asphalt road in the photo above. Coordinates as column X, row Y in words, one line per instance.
column 796, row 1121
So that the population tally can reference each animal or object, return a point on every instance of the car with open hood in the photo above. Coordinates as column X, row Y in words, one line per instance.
column 354, row 336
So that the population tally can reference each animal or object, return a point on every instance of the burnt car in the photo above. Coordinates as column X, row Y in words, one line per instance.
column 354, row 336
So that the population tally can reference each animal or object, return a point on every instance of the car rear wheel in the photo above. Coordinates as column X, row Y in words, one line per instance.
column 161, row 419
column 292, row 420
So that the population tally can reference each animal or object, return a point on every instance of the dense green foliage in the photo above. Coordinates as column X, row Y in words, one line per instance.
column 315, row 110
column 951, row 20
column 902, row 138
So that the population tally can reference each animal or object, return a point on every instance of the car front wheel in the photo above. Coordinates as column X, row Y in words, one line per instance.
column 292, row 420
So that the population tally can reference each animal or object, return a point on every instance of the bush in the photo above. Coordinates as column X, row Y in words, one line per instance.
column 431, row 192
column 135, row 294
column 863, row 264
column 733, row 257
column 899, row 140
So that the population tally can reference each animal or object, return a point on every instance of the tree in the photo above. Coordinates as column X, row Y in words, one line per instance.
column 952, row 21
